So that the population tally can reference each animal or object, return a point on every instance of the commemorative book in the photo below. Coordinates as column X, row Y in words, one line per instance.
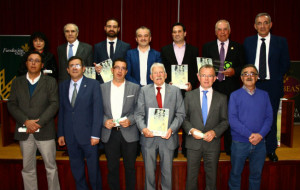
column 158, row 119
column 215, row 63
column 180, row 76
column 106, row 73
column 90, row 72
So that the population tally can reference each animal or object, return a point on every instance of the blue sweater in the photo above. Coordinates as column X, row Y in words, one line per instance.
column 249, row 114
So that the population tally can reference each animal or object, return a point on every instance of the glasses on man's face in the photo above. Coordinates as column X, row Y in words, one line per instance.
column 249, row 74
column 120, row 68
column 208, row 76
column 77, row 66
column 34, row 60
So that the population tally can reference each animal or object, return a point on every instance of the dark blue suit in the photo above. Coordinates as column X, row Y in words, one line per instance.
column 78, row 125
column 133, row 64
column 100, row 53
column 279, row 63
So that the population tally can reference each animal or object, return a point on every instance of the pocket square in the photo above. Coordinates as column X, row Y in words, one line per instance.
column 129, row 96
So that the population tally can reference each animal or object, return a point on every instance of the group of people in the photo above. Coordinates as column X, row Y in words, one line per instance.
column 116, row 112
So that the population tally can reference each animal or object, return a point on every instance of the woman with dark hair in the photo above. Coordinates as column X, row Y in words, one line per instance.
column 39, row 42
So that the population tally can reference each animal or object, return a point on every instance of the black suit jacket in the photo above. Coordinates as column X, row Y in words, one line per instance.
column 190, row 58
column 236, row 55
column 85, row 51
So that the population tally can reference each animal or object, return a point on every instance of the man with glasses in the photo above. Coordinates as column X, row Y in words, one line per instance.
column 111, row 48
column 205, row 122
column 250, row 117
column 72, row 48
column 270, row 55
column 33, row 102
column 120, row 134
column 79, row 123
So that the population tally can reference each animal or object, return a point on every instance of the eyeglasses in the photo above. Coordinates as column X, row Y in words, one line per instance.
column 77, row 66
column 120, row 68
column 34, row 60
column 249, row 74
column 209, row 76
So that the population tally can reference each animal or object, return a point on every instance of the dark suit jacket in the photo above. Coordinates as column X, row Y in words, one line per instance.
column 217, row 119
column 131, row 93
column 190, row 58
column 236, row 55
column 100, row 53
column 279, row 60
column 85, row 51
column 133, row 64
column 85, row 119
column 42, row 105
column 173, row 101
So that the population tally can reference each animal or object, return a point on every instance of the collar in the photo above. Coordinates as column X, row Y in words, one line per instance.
column 76, row 43
column 225, row 43
column 34, row 80
column 248, row 91
column 162, row 86
column 145, row 51
column 78, row 82
column 202, row 89
column 115, row 40
column 174, row 45
column 267, row 37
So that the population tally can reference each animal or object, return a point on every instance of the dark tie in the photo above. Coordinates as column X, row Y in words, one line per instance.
column 158, row 97
column 111, row 52
column 74, row 95
column 204, row 106
column 70, row 51
column 262, row 60
column 222, row 59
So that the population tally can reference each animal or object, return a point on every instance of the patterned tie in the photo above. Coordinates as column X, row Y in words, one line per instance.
column 262, row 60
column 222, row 59
column 158, row 97
column 74, row 95
column 204, row 106
column 70, row 51
column 111, row 52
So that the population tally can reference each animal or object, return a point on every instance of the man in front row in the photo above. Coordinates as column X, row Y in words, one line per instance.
column 33, row 102
column 79, row 123
column 205, row 122
column 120, row 134
column 159, row 95
column 250, row 117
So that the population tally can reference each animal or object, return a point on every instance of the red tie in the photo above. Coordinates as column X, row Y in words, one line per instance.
column 158, row 97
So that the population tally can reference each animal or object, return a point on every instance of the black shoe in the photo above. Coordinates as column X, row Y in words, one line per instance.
column 273, row 157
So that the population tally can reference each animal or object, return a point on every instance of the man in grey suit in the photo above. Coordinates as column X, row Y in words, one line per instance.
column 33, row 102
column 159, row 95
column 206, row 120
column 120, row 134
column 72, row 48
column 111, row 48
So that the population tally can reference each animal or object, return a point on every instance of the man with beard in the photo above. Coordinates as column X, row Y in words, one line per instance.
column 250, row 117
column 112, row 48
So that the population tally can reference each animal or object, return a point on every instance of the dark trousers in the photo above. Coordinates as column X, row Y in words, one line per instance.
column 114, row 149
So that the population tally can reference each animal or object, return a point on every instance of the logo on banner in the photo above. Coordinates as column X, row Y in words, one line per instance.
column 291, row 87
column 19, row 51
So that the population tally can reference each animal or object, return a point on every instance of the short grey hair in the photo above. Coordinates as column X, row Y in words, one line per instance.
column 76, row 27
column 247, row 66
column 222, row 20
column 207, row 66
column 263, row 14
column 143, row 27
column 157, row 65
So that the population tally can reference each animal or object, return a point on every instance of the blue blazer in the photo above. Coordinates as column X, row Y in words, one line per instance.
column 86, row 118
column 133, row 64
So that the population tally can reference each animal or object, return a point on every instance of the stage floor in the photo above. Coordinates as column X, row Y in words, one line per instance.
column 284, row 153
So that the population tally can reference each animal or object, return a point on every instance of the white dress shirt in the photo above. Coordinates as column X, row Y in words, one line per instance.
column 108, row 45
column 116, row 100
column 32, row 82
column 208, row 95
column 162, row 92
column 143, row 57
column 74, row 48
column 259, row 42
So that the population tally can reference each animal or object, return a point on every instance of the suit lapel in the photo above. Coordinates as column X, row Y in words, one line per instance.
column 79, row 50
column 83, row 85
column 167, row 96
column 198, row 103
column 172, row 54
column 118, row 47
column 215, row 51
column 137, row 60
column 213, row 104
column 65, row 53
column 24, row 85
column 107, row 94
column 39, row 85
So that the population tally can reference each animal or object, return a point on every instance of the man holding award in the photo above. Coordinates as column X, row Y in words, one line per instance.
column 168, row 98
column 229, row 56
column 205, row 121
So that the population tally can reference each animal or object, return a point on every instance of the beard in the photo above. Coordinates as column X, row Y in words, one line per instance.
column 112, row 34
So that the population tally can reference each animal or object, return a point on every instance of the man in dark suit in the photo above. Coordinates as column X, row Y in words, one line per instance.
column 205, row 121
column 140, row 59
column 120, row 134
column 79, row 123
column 159, row 95
column 270, row 55
column 179, row 53
column 33, row 102
column 223, row 51
column 72, row 48
column 112, row 48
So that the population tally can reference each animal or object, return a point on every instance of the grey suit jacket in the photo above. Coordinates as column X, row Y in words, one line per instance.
column 131, row 93
column 42, row 105
column 173, row 101
column 85, row 51
column 217, row 119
